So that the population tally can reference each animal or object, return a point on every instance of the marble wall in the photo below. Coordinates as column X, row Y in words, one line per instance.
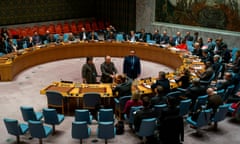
column 145, row 15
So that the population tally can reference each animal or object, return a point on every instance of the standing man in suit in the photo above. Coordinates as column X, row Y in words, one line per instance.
column 108, row 70
column 132, row 65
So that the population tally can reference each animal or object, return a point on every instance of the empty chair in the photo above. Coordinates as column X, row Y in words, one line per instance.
column 120, row 104
column 65, row 37
column 80, row 130
column 147, row 127
column 28, row 113
column 106, row 130
column 91, row 100
column 38, row 130
column 202, row 120
column 119, row 37
column 15, row 128
column 184, row 106
column 55, row 100
column 83, row 115
column 220, row 114
column 52, row 117
column 105, row 115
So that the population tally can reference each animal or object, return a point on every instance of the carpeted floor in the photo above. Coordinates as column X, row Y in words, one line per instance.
column 24, row 91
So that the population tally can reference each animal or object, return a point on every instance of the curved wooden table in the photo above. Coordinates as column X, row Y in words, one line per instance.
column 100, row 49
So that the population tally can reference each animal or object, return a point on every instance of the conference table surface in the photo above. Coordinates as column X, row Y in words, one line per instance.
column 13, row 63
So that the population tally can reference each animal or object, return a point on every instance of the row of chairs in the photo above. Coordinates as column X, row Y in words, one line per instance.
column 59, row 28
column 35, row 124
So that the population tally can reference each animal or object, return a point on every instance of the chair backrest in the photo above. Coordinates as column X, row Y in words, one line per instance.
column 131, row 114
column 204, row 117
column 184, row 106
column 83, row 115
column 228, row 92
column 91, row 100
column 201, row 100
column 54, row 98
column 119, row 37
column 122, row 101
column 80, row 130
column 36, row 129
column 175, row 94
column 221, row 113
column 12, row 126
column 221, row 92
column 50, row 116
column 65, row 37
column 105, row 115
column 28, row 113
column 147, row 127
column 106, row 130
column 158, row 108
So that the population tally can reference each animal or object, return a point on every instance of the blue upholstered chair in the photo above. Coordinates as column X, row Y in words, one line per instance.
column 15, row 128
column 120, row 104
column 55, row 100
column 91, row 100
column 28, row 113
column 220, row 114
column 147, row 127
column 207, row 82
column 65, row 37
column 158, row 108
column 130, row 119
column 184, row 106
column 228, row 92
column 106, row 130
column 175, row 94
column 80, row 130
column 52, row 117
column 202, row 120
column 119, row 37
column 83, row 115
column 105, row 115
column 38, row 130
column 201, row 100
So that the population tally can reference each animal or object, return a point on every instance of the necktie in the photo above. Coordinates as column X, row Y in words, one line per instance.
column 132, row 67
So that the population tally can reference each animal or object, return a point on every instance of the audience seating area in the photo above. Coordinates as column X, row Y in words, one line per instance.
column 58, row 28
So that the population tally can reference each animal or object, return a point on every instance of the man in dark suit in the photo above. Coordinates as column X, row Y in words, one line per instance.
column 132, row 65
column 83, row 36
column 108, row 70
column 123, row 87
column 195, row 91
column 171, row 129
column 162, row 81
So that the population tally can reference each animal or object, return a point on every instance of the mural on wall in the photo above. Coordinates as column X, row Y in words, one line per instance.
column 219, row 14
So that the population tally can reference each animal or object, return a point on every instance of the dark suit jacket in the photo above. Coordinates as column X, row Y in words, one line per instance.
column 132, row 66
column 81, row 36
column 142, row 114
column 171, row 126
column 214, row 102
column 123, row 89
column 164, row 83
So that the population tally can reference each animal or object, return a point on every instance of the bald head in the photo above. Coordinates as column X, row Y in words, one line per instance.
column 210, row 91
